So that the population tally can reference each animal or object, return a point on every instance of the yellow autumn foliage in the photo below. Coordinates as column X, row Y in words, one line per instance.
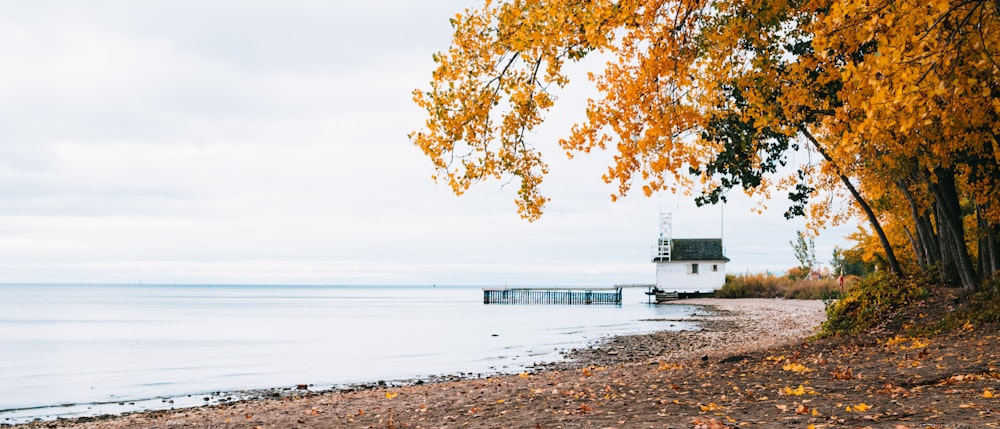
column 897, row 103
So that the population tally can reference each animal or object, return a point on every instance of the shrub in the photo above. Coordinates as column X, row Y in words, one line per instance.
column 824, row 289
column 749, row 286
column 980, row 308
column 874, row 299
column 771, row 286
column 798, row 273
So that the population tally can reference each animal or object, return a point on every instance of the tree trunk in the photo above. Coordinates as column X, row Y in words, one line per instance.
column 931, row 242
column 983, row 243
column 916, row 247
column 989, row 247
column 926, row 248
column 948, row 271
column 951, row 211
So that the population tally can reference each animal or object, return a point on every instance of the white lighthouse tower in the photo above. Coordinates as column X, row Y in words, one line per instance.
column 687, row 265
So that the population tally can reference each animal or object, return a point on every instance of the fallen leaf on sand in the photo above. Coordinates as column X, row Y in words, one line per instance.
column 862, row 407
column 709, row 424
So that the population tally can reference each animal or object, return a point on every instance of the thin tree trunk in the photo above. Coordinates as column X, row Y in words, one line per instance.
column 989, row 246
column 984, row 246
column 994, row 245
column 925, row 255
column 916, row 247
column 931, row 242
column 890, row 255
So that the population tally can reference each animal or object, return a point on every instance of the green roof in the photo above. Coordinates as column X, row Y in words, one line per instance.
column 697, row 249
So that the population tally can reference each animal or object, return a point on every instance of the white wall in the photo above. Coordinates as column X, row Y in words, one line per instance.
column 677, row 276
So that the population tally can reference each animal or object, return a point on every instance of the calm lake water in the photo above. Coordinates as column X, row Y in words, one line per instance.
column 73, row 350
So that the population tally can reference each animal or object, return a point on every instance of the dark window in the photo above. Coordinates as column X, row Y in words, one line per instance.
column 715, row 267
column 694, row 268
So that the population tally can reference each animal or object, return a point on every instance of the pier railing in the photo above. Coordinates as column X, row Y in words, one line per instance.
column 552, row 296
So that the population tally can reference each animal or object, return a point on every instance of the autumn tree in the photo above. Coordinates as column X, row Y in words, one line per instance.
column 899, row 97
column 922, row 122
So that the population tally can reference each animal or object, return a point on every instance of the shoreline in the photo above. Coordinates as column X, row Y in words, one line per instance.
column 727, row 328
column 732, row 326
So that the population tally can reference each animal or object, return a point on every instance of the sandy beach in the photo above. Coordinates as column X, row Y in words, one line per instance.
column 547, row 397
column 728, row 327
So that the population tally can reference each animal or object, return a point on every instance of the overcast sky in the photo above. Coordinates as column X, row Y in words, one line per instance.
column 265, row 142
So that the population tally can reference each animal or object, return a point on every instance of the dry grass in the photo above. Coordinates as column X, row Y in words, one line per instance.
column 772, row 286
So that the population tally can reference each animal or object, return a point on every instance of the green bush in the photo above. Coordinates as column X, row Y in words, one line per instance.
column 874, row 299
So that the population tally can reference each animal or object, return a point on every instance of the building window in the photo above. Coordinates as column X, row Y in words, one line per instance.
column 715, row 268
column 694, row 268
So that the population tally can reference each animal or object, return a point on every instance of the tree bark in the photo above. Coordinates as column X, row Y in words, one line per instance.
column 951, row 211
column 989, row 247
column 914, row 243
column 948, row 271
column 932, row 243
column 927, row 253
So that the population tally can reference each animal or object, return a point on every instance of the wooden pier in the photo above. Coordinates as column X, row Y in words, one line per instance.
column 552, row 296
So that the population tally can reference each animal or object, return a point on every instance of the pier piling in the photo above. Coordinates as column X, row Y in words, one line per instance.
column 552, row 296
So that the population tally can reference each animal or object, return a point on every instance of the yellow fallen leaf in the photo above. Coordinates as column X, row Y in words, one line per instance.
column 987, row 393
column 524, row 375
column 862, row 407
column 799, row 391
column 710, row 407
column 668, row 366
column 895, row 340
column 795, row 367
column 390, row 395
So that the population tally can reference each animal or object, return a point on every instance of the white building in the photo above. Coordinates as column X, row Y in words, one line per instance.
column 688, row 265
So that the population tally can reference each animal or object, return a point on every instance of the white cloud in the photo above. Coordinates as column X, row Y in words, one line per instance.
column 265, row 142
